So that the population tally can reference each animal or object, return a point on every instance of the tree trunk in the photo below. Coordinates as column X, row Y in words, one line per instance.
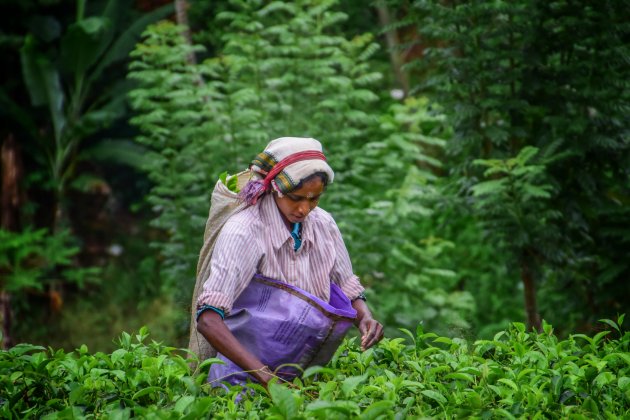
column 391, row 38
column 10, row 201
column 529, row 289
column 11, row 175
column 181, row 12
column 5, row 312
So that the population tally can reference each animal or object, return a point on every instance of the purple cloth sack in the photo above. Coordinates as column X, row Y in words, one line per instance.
column 282, row 324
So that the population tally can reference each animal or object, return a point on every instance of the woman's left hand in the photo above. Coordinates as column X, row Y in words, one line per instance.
column 371, row 332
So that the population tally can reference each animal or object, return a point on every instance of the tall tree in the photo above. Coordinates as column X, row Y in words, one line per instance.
column 551, row 75
column 11, row 196
column 181, row 12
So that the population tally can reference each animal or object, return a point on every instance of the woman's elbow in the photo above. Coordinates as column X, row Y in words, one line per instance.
column 208, row 322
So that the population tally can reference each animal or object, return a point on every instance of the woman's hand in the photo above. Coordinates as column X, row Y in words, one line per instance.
column 371, row 330
column 263, row 375
column 212, row 327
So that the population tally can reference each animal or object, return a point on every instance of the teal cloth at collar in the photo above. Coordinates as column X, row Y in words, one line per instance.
column 295, row 233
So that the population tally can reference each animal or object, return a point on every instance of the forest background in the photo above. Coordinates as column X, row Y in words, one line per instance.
column 481, row 153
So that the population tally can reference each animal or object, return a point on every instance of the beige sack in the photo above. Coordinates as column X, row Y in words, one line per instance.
column 223, row 204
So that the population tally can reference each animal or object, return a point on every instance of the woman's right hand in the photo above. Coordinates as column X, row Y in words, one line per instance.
column 264, row 375
column 212, row 327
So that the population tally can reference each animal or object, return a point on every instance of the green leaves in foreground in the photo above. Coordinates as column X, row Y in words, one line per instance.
column 516, row 374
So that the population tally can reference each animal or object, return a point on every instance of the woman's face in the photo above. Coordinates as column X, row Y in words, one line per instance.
column 297, row 204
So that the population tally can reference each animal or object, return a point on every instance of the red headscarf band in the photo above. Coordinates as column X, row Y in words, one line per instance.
column 254, row 189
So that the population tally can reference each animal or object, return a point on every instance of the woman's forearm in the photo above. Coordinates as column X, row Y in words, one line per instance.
column 362, row 309
column 212, row 327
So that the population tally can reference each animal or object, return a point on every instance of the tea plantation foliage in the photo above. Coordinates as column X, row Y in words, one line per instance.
column 516, row 374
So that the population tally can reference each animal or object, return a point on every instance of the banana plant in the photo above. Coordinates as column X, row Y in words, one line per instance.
column 73, row 86
column 65, row 74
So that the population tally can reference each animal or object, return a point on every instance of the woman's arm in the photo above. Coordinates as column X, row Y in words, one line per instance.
column 371, row 330
column 342, row 275
column 212, row 327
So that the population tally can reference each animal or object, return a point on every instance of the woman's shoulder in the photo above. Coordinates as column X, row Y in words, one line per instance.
column 245, row 217
column 324, row 226
column 245, row 220
column 322, row 218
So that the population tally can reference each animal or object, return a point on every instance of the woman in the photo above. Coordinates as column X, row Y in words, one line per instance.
column 281, row 235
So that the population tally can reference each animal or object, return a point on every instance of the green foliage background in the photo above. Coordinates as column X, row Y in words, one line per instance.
column 496, row 189
column 489, row 195
column 433, row 235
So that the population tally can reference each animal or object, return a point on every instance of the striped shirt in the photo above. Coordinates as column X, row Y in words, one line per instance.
column 256, row 240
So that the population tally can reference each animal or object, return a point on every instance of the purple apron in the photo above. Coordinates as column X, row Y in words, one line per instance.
column 283, row 324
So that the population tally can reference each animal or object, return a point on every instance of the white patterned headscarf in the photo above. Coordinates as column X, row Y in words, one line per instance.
column 283, row 164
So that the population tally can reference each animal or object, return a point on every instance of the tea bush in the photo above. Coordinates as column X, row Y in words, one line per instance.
column 516, row 374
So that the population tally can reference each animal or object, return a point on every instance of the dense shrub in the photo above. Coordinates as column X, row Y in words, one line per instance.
column 517, row 373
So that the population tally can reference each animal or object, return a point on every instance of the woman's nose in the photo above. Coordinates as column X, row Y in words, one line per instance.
column 303, row 208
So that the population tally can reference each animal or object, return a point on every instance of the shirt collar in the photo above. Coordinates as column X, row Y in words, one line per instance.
column 278, row 231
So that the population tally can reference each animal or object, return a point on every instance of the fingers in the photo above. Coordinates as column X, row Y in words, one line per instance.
column 373, row 334
column 366, row 333
column 264, row 375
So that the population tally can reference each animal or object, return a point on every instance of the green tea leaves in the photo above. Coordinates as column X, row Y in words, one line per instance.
column 519, row 374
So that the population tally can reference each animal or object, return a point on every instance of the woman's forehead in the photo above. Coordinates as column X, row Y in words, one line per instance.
column 310, row 188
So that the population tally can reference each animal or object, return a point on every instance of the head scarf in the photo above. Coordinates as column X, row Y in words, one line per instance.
column 283, row 164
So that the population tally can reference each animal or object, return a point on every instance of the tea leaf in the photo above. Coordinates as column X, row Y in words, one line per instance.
column 376, row 409
column 460, row 376
column 509, row 382
column 284, row 400
column 612, row 324
column 146, row 391
column 349, row 384
column 604, row 378
column 434, row 395
column 623, row 356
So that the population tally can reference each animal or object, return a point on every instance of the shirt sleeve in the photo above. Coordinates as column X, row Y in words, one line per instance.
column 232, row 266
column 342, row 273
